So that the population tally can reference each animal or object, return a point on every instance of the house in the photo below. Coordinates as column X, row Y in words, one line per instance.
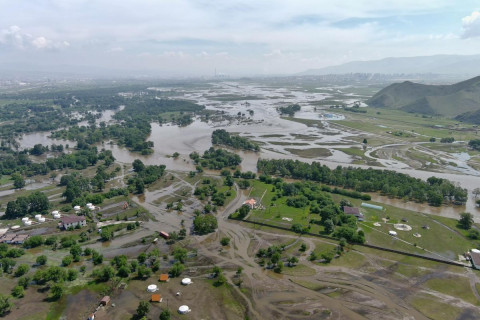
column 164, row 277
column 105, row 300
column 251, row 203
column 72, row 221
column 354, row 211
column 20, row 239
column 156, row 298
column 475, row 258
column 8, row 238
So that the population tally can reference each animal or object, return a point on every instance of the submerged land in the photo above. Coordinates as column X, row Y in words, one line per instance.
column 182, row 157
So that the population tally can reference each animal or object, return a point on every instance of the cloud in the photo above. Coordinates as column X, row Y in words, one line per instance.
column 15, row 38
column 471, row 25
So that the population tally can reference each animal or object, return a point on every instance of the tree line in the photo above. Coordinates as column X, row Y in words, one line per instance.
column 435, row 191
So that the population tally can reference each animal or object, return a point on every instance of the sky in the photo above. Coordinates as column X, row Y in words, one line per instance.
column 233, row 37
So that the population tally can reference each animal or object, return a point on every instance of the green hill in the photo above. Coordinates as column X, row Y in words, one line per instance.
column 456, row 100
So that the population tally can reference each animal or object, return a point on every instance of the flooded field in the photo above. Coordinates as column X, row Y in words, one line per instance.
column 312, row 135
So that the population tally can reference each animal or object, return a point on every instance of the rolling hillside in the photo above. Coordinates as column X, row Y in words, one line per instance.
column 456, row 100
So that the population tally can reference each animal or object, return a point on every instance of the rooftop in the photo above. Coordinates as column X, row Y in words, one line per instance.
column 475, row 258
column 156, row 297
column 163, row 277
column 351, row 210
column 72, row 219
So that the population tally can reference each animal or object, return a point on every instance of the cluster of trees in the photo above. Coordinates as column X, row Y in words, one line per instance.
column 209, row 190
column 474, row 144
column 36, row 202
column 435, row 191
column 11, row 161
column 145, row 175
column 289, row 110
column 216, row 159
column 222, row 137
column 447, row 140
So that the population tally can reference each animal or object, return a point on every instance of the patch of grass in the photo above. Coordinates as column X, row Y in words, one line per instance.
column 433, row 309
column 458, row 287
column 310, row 153
column 300, row 270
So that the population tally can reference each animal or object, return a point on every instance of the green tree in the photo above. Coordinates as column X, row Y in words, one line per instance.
column 143, row 308
column 176, row 270
column 5, row 304
column 466, row 220
column 56, row 291
column 72, row 274
column 124, row 272
column 165, row 315
column 106, row 234
column 225, row 241
column 180, row 254
column 41, row 260
column 67, row 260
column 18, row 292
column 205, row 223
column 142, row 257
column 21, row 270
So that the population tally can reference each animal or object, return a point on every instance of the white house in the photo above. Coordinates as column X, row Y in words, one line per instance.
column 72, row 221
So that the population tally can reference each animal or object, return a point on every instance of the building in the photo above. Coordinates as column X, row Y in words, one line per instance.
column 156, row 298
column 72, row 221
column 354, row 212
column 20, row 239
column 105, row 300
column 251, row 203
column 164, row 277
column 475, row 258
column 8, row 238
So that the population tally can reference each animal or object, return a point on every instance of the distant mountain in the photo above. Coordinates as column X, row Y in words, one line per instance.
column 457, row 100
column 438, row 64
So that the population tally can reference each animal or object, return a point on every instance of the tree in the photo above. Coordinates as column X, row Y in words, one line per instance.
column 180, row 254
column 24, row 282
column 328, row 226
column 7, row 264
column 225, row 241
column 106, row 234
column 124, row 272
column 67, row 260
column 18, row 181
column 176, row 269
column 5, row 304
column 56, row 291
column 216, row 271
column 165, row 315
column 142, row 257
column 18, row 292
column 143, row 272
column 205, row 223
column 303, row 247
column 365, row 141
column 72, row 274
column 466, row 220
column 21, row 270
column 143, row 308
column 138, row 165
column 279, row 267
column 104, row 274
column 292, row 261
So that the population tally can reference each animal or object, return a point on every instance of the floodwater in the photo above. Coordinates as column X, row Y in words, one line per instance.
column 261, row 122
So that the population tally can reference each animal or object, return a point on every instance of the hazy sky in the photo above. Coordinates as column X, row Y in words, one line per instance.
column 192, row 37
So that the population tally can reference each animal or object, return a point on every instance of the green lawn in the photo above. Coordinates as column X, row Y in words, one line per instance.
column 454, row 286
